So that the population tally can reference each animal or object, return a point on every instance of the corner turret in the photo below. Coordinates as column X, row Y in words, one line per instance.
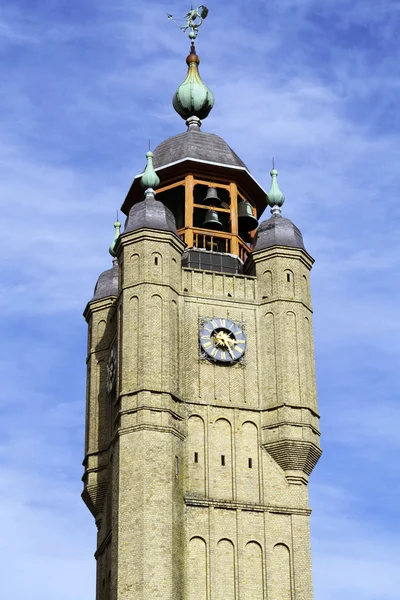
column 282, row 266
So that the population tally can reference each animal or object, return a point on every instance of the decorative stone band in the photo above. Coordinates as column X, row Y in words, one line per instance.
column 192, row 500
column 297, row 458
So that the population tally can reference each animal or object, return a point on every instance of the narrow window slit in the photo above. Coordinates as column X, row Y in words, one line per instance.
column 196, row 457
column 156, row 260
column 288, row 277
column 222, row 460
column 250, row 463
column 176, row 466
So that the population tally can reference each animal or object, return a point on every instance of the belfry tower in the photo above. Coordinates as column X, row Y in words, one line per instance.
column 202, row 420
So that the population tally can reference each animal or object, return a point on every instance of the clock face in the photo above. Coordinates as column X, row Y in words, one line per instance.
column 222, row 340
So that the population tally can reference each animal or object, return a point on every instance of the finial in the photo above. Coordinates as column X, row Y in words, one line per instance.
column 193, row 20
column 117, row 227
column 193, row 124
column 193, row 98
column 150, row 179
column 275, row 196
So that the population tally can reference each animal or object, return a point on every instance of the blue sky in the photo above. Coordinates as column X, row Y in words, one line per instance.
column 84, row 85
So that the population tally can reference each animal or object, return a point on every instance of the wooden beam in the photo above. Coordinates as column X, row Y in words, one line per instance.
column 189, row 201
column 234, row 219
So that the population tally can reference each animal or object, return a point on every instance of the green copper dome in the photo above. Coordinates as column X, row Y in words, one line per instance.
column 117, row 227
column 150, row 178
column 275, row 196
column 193, row 98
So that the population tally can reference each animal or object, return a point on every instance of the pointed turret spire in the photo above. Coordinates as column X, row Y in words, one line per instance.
column 275, row 197
column 117, row 227
column 150, row 213
column 150, row 179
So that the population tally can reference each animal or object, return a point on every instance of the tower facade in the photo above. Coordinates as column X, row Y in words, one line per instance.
column 202, row 421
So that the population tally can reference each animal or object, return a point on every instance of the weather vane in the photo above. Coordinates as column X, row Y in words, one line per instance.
column 193, row 19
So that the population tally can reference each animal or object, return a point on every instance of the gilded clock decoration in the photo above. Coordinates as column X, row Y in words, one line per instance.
column 222, row 340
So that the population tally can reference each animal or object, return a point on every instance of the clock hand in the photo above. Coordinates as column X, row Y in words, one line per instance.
column 228, row 343
column 230, row 351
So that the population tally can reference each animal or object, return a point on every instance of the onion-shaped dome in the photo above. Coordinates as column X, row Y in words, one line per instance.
column 193, row 98
column 150, row 179
column 278, row 231
column 275, row 196
column 107, row 283
column 117, row 227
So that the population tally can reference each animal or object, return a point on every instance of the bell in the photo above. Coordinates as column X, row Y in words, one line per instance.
column 212, row 221
column 212, row 197
column 247, row 221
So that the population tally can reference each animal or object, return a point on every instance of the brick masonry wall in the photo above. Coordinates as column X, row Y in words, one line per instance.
column 202, row 468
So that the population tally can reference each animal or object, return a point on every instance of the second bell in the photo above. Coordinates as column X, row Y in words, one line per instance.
column 247, row 221
column 212, row 221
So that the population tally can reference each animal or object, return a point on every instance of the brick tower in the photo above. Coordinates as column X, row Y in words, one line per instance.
column 202, row 420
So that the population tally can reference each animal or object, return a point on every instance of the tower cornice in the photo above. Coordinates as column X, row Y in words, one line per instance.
column 98, row 305
column 151, row 235
column 278, row 252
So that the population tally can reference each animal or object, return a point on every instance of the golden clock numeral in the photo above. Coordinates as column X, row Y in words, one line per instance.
column 214, row 352
column 210, row 330
column 223, row 355
column 204, row 337
column 214, row 323
column 207, row 345
column 223, row 323
column 239, row 349
column 240, row 341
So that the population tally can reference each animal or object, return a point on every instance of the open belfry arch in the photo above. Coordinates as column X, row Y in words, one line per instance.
column 202, row 419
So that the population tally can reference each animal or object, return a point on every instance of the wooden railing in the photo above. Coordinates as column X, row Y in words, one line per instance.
column 211, row 241
column 218, row 241
column 244, row 251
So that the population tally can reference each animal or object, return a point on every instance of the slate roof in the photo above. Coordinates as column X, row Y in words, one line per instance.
column 107, row 283
column 150, row 214
column 197, row 145
column 278, row 231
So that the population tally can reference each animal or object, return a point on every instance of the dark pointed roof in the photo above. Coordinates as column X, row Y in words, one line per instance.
column 107, row 283
column 196, row 145
column 150, row 214
column 278, row 231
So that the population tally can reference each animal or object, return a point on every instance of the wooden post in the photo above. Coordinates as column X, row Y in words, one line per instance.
column 189, row 201
column 234, row 219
